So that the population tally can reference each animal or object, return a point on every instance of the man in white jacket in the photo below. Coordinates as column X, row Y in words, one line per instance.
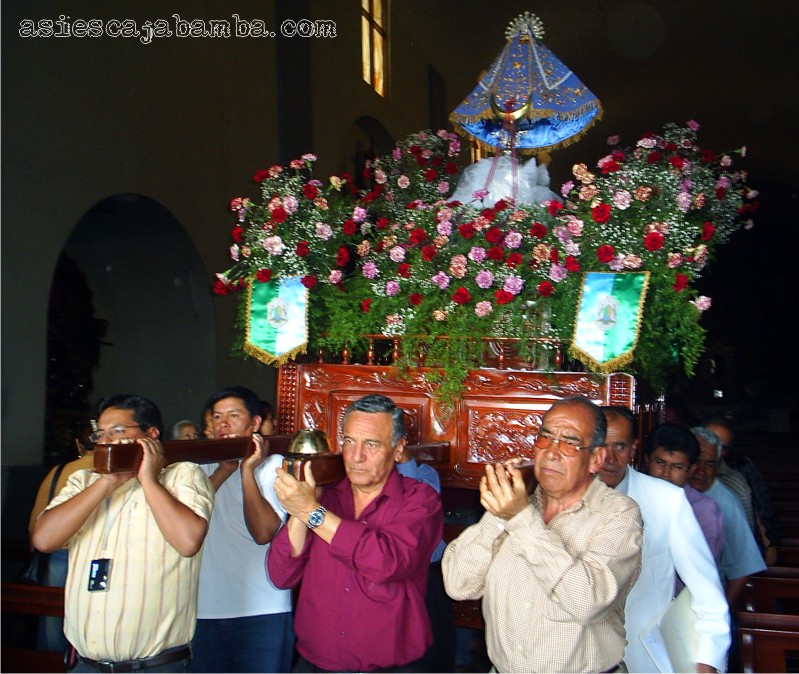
column 673, row 544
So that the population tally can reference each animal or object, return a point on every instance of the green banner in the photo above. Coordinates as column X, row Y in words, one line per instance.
column 277, row 320
column 608, row 319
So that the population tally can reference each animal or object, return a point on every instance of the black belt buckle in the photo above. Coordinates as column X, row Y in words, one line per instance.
column 128, row 666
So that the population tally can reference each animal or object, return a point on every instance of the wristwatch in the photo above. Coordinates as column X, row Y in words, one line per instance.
column 316, row 517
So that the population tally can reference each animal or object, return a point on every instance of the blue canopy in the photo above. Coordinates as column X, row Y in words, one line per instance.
column 550, row 106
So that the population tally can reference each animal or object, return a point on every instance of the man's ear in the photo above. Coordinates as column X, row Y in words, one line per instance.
column 597, row 459
column 153, row 432
column 634, row 453
column 255, row 426
column 399, row 450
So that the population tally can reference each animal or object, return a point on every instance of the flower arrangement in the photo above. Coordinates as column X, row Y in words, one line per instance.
column 403, row 259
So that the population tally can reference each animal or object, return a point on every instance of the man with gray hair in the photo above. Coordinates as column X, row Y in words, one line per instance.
column 740, row 556
column 553, row 571
column 360, row 550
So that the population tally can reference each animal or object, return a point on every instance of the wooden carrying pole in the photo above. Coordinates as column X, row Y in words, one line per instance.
column 327, row 468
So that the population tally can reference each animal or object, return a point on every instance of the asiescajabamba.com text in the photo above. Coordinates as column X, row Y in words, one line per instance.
column 175, row 26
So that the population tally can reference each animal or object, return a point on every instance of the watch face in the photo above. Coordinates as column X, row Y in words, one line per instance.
column 316, row 518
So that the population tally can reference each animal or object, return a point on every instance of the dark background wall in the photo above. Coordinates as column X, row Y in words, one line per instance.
column 184, row 122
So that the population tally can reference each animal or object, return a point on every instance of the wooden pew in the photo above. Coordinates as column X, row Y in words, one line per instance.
column 30, row 600
column 767, row 642
column 775, row 590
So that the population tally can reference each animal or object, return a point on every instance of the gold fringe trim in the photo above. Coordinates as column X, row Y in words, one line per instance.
column 619, row 361
column 491, row 149
column 261, row 354
column 535, row 113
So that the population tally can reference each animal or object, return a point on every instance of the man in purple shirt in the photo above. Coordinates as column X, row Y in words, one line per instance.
column 361, row 550
column 672, row 453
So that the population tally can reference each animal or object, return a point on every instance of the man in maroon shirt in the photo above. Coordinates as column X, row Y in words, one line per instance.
column 361, row 551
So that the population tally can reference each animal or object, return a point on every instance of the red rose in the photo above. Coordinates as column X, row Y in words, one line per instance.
column 404, row 270
column 538, row 230
column 303, row 249
column 260, row 176
column 553, row 207
column 671, row 147
column 366, row 305
column 415, row 149
column 264, row 275
column 571, row 263
column 708, row 157
column 279, row 214
column 618, row 155
column 653, row 157
column 429, row 252
column 310, row 192
column 503, row 296
column 437, row 161
column 222, row 288
column 309, row 281
column 605, row 253
column 430, row 175
column 653, row 241
column 495, row 253
column 415, row 299
column 461, row 296
column 554, row 255
column 677, row 162
column 501, row 205
column 488, row 214
column 720, row 192
column 349, row 227
column 707, row 231
column 680, row 282
column 467, row 230
column 513, row 260
column 342, row 257
column 545, row 288
column 237, row 233
column 417, row 235
column 450, row 168
column 610, row 166
column 382, row 223
column 601, row 213
column 375, row 192
column 494, row 235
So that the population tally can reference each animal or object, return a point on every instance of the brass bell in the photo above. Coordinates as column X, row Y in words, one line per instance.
column 307, row 441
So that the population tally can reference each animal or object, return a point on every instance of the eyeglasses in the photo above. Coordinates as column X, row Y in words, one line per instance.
column 566, row 446
column 112, row 432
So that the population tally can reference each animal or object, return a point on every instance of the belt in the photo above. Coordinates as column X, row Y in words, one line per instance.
column 163, row 658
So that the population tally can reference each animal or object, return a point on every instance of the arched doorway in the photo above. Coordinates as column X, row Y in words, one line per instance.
column 152, row 322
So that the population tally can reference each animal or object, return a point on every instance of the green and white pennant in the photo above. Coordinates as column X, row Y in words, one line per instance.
column 608, row 319
column 276, row 324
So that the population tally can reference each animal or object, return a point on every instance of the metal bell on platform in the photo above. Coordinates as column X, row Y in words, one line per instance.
column 309, row 441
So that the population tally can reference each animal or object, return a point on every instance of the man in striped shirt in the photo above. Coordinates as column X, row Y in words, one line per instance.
column 135, row 542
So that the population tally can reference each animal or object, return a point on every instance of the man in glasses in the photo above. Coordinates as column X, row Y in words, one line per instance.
column 673, row 544
column 134, row 541
column 553, row 571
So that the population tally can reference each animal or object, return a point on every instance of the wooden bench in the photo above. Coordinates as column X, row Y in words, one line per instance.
column 30, row 600
column 775, row 590
column 768, row 642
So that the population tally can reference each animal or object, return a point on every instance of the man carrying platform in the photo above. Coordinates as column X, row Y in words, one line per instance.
column 361, row 551
column 553, row 572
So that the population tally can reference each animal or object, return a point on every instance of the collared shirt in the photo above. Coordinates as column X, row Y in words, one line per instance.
column 151, row 601
column 738, row 485
column 428, row 475
column 740, row 556
column 708, row 514
column 553, row 594
column 361, row 603
column 673, row 543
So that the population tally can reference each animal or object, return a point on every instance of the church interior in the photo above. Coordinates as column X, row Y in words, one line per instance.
column 121, row 155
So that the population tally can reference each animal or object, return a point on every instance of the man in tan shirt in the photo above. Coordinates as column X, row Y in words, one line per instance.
column 553, row 571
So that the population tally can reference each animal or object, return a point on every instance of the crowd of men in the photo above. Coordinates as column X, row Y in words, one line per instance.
column 241, row 567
